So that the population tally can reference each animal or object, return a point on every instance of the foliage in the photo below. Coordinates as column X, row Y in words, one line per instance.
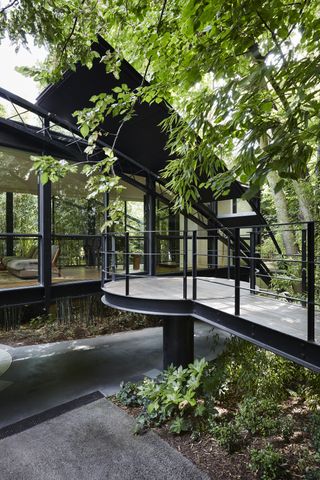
column 237, row 400
column 228, row 435
column 42, row 320
column 286, row 428
column 179, row 395
column 100, row 179
column 252, row 379
column 263, row 416
column 25, row 220
column 243, row 370
column 236, row 72
column 267, row 463
column 128, row 394
column 312, row 474
column 51, row 169
column 314, row 428
column 258, row 416
column 180, row 425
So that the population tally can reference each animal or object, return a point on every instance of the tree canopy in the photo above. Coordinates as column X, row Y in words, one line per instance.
column 241, row 76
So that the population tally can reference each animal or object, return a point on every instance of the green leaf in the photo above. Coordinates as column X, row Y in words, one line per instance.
column 44, row 178
column 84, row 130
column 267, row 106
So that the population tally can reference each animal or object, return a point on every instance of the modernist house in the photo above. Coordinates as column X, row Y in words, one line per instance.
column 207, row 264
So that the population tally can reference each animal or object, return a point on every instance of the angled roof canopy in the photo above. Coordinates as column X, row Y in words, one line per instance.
column 141, row 138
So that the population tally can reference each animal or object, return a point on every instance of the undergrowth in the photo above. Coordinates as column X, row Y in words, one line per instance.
column 238, row 399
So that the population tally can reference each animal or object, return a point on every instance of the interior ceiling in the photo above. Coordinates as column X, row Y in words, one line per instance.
column 16, row 176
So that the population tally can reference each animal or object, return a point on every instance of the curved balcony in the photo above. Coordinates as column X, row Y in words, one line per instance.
column 241, row 304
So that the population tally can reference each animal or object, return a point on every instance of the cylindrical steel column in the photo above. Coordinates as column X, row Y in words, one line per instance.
column 178, row 341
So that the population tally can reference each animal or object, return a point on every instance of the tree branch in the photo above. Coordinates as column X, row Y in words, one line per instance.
column 274, row 37
column 143, row 78
column 69, row 36
column 11, row 4
column 294, row 25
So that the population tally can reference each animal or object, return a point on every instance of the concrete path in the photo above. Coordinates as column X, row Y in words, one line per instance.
column 91, row 442
column 43, row 376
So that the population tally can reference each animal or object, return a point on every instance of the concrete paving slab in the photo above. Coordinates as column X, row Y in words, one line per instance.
column 92, row 442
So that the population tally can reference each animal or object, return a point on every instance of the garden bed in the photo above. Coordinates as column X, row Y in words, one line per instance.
column 51, row 328
column 249, row 415
column 219, row 464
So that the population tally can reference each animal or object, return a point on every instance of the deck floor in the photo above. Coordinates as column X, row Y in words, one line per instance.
column 274, row 313
column 67, row 274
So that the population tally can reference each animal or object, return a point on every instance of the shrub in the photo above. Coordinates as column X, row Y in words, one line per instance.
column 314, row 429
column 312, row 474
column 267, row 463
column 228, row 435
column 245, row 370
column 258, row 416
column 286, row 427
column 128, row 394
column 180, row 395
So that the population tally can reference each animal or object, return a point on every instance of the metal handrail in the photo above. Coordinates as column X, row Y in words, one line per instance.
column 307, row 261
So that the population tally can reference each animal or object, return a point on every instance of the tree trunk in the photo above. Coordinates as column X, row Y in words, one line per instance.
column 304, row 204
column 288, row 237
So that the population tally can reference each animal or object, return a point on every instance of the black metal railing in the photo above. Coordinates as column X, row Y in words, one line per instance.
column 245, row 258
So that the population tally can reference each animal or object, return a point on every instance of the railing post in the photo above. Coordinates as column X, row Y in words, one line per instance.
column 185, row 264
column 229, row 259
column 304, row 263
column 104, row 269
column 113, row 257
column 311, row 280
column 127, row 260
column 194, row 264
column 237, row 271
column 252, row 262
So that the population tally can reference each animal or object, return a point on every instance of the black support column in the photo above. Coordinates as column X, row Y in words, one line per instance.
column 106, row 244
column 45, row 242
column 150, row 210
column 178, row 341
column 9, row 222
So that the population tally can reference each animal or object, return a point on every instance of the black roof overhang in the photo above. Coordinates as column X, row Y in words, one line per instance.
column 141, row 138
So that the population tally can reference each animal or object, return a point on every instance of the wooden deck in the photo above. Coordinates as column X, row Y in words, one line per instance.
column 282, row 316
column 67, row 274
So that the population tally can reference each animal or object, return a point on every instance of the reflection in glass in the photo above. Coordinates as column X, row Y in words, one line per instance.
column 19, row 254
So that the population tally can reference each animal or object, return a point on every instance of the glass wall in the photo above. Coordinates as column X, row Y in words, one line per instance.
column 132, row 220
column 167, row 239
column 76, row 230
column 19, row 241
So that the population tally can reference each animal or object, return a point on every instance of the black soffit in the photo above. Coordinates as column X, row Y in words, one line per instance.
column 141, row 138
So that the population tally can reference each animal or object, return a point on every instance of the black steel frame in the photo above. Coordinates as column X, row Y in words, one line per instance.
column 306, row 352
column 72, row 145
